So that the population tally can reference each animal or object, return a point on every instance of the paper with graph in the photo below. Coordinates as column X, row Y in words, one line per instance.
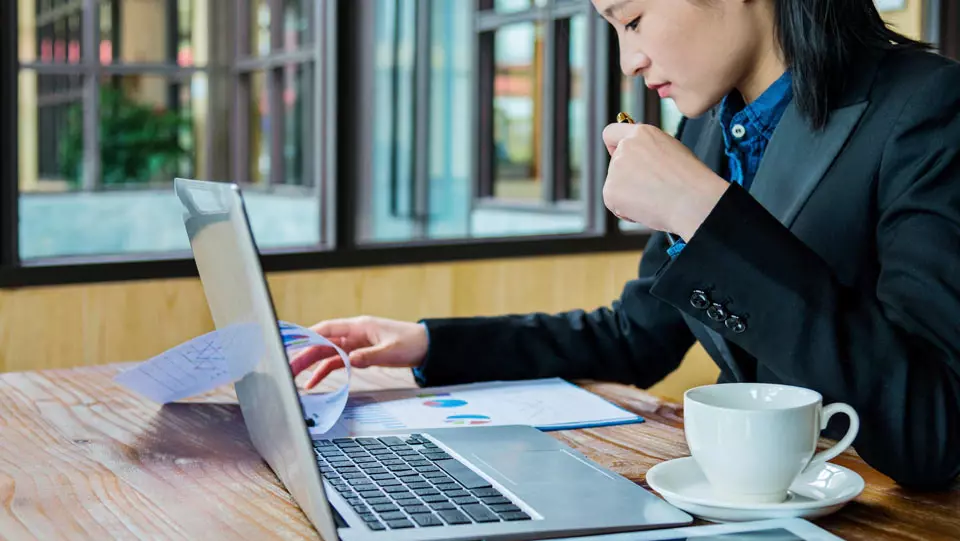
column 547, row 404
column 225, row 356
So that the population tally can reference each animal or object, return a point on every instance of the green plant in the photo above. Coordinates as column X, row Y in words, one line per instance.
column 138, row 143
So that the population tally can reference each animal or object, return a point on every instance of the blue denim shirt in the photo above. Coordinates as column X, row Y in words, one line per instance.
column 747, row 130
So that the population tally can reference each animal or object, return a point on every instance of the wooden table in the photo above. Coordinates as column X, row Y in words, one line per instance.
column 82, row 458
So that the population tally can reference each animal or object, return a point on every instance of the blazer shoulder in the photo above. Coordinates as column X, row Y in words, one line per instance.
column 903, row 72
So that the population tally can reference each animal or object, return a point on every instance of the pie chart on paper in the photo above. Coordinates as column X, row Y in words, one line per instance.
column 445, row 403
column 468, row 420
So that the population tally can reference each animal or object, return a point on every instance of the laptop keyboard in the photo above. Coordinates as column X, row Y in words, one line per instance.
column 409, row 482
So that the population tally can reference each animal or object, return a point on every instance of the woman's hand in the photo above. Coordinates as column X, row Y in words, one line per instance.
column 653, row 179
column 368, row 341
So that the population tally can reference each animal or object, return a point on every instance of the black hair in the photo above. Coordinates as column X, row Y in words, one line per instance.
column 821, row 40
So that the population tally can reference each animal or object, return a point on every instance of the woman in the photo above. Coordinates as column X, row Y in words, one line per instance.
column 832, row 264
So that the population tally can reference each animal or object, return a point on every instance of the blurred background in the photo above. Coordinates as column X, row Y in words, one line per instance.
column 403, row 158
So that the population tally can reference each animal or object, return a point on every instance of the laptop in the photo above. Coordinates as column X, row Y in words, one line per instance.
column 473, row 482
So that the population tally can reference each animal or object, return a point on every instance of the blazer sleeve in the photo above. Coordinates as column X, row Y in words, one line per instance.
column 893, row 353
column 638, row 340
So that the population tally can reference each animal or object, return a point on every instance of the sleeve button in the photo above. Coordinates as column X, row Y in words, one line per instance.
column 736, row 324
column 717, row 312
column 699, row 300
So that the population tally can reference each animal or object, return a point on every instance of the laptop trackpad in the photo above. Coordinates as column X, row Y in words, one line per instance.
column 543, row 467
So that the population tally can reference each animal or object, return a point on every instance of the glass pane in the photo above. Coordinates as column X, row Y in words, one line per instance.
column 259, row 129
column 669, row 116
column 147, row 130
column 513, row 6
column 150, row 132
column 298, row 24
column 260, row 28
column 578, row 105
column 517, row 110
column 50, row 122
column 298, row 102
column 149, row 31
column 55, row 39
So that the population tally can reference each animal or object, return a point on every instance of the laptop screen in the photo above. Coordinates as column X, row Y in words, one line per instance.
column 243, row 312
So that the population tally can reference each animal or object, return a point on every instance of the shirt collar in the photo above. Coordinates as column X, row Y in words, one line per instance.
column 759, row 117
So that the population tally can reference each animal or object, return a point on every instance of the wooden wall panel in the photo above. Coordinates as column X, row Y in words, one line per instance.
column 66, row 326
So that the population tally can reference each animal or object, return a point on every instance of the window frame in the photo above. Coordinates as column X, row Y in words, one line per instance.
column 346, row 54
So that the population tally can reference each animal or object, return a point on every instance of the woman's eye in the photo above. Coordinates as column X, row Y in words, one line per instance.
column 632, row 25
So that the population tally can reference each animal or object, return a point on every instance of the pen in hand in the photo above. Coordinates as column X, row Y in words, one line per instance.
column 624, row 118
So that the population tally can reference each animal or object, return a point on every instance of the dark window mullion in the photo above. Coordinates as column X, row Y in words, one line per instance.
column 950, row 28
column 9, row 172
column 561, row 110
column 486, row 72
column 91, row 86
column 548, row 103
column 275, row 93
column 240, row 134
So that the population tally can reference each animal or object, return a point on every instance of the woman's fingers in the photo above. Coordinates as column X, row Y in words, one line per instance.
column 323, row 370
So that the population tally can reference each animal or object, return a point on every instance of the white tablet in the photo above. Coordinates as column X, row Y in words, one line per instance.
column 786, row 529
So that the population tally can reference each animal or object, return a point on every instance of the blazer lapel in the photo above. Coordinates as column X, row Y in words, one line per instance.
column 797, row 158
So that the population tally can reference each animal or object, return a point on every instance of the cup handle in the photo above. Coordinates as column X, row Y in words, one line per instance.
column 841, row 445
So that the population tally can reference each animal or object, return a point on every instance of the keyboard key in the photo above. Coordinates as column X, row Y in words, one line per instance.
column 393, row 462
column 409, row 476
column 435, row 476
column 322, row 443
column 426, row 520
column 367, row 441
column 434, row 499
column 383, row 451
column 504, row 508
column 394, row 489
column 409, row 504
column 453, row 516
column 442, row 506
column 361, row 509
column 365, row 460
column 384, row 479
column 386, row 508
column 367, row 494
column 517, row 515
column 465, row 501
column 340, row 441
column 418, row 464
column 379, row 501
column 343, row 488
column 414, row 509
column 426, row 492
column 429, row 469
column 397, row 469
column 376, row 526
column 353, row 501
column 499, row 500
column 418, row 485
column 391, row 441
column 486, row 492
column 447, row 487
column 464, row 475
column 480, row 513
column 398, row 524
column 457, row 494
column 394, row 515
column 429, row 445
column 436, row 456
column 368, row 518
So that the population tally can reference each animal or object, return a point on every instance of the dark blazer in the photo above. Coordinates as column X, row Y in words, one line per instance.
column 838, row 271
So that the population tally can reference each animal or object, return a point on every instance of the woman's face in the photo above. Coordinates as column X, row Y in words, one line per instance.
column 693, row 51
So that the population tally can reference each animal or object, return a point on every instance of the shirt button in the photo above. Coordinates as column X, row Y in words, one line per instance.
column 738, row 130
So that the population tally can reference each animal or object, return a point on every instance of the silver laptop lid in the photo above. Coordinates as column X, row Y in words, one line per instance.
column 240, row 303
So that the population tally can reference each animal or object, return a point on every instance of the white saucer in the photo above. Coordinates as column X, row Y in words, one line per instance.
column 821, row 491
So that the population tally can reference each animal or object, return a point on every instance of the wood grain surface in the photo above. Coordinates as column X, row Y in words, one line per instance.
column 82, row 458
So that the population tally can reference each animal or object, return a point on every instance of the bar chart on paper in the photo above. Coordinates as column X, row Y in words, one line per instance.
column 547, row 404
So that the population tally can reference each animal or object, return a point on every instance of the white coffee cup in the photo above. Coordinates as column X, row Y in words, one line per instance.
column 752, row 440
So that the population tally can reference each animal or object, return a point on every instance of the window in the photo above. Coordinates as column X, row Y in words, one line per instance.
column 362, row 132
column 118, row 97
